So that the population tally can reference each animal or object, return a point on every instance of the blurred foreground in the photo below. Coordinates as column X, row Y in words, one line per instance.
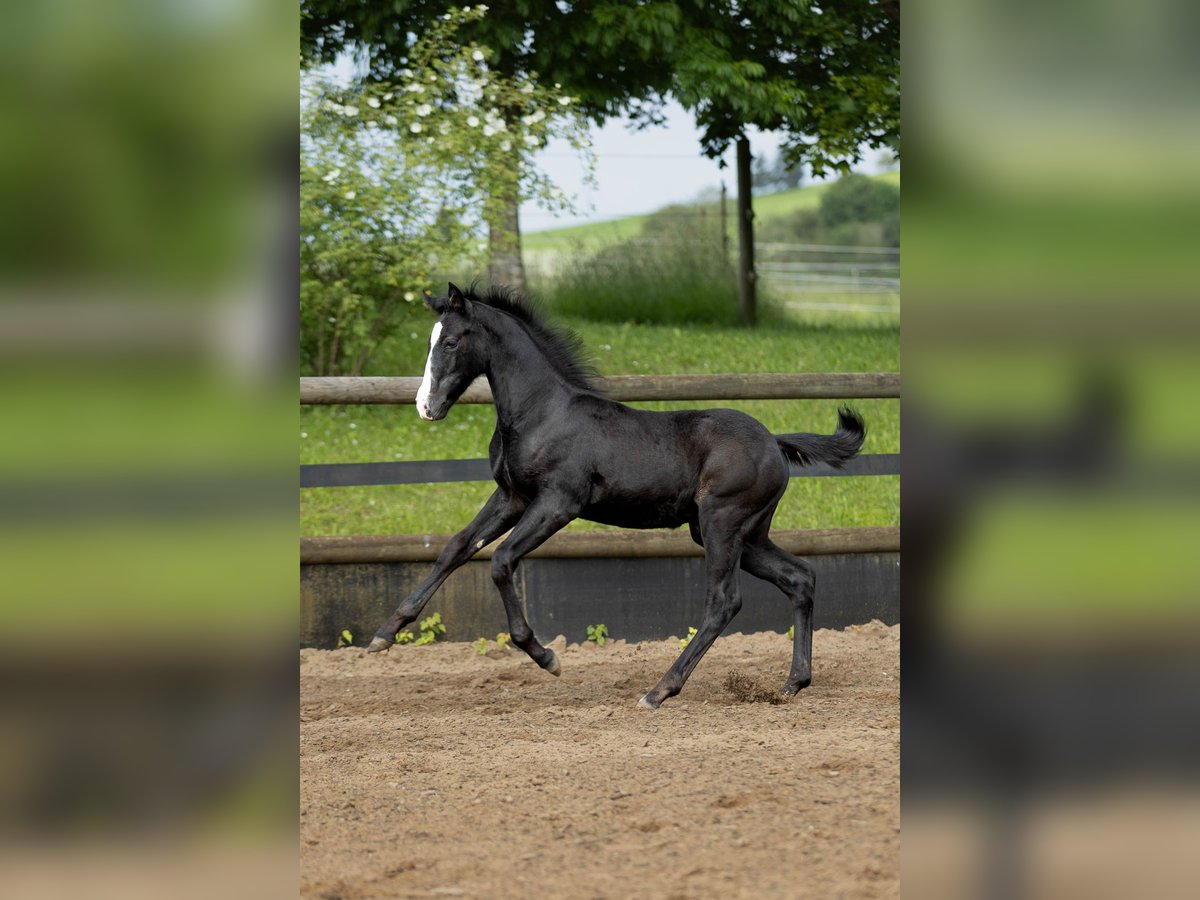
column 147, row 471
column 1051, row 714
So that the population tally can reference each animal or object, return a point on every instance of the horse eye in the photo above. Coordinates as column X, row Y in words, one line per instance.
column 451, row 343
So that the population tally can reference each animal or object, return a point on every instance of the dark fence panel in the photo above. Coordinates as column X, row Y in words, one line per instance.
column 638, row 599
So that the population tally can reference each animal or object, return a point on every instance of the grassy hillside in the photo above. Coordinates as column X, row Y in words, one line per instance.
column 602, row 234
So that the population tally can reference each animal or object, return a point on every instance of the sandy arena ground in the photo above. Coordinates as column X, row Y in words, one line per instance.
column 437, row 772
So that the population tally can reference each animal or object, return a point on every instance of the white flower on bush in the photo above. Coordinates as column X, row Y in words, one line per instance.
column 424, row 109
column 415, row 88
column 444, row 128
column 527, row 88
column 388, row 95
column 409, row 296
column 415, row 127
column 391, row 120
column 473, row 121
column 505, row 146
column 350, row 111
column 565, row 101
column 531, row 140
column 373, row 102
column 488, row 130
column 332, row 176
column 477, row 56
column 350, row 195
column 533, row 118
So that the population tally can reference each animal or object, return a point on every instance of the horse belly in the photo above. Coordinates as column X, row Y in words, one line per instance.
column 648, row 515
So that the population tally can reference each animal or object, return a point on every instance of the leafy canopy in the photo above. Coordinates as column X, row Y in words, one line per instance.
column 397, row 178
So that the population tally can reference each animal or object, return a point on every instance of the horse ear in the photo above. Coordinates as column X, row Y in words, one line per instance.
column 456, row 301
column 437, row 304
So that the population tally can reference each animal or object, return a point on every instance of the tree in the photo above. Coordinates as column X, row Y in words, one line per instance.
column 609, row 56
column 395, row 178
column 826, row 75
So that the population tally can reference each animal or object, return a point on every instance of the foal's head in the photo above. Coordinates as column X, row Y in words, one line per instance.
column 457, row 355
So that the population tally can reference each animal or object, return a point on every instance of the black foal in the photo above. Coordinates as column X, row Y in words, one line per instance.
column 562, row 451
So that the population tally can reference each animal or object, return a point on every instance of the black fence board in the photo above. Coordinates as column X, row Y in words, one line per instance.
column 452, row 470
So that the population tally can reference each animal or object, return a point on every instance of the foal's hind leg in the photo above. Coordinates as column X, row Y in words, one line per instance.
column 797, row 580
column 723, row 543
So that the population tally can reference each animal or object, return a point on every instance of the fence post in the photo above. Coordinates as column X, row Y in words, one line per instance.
column 724, row 225
column 746, row 293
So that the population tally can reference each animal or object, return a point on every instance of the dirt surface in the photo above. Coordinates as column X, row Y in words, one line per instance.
column 434, row 771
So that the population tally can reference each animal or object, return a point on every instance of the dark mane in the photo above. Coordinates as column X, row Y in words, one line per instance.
column 563, row 349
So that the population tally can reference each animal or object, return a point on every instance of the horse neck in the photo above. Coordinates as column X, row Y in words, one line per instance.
column 524, row 384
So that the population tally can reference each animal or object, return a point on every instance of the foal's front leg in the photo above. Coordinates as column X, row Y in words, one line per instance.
column 544, row 517
column 496, row 517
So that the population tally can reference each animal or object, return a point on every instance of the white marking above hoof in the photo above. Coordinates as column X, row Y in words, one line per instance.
column 379, row 644
column 646, row 704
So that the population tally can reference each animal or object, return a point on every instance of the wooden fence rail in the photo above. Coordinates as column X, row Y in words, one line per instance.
column 772, row 386
column 397, row 548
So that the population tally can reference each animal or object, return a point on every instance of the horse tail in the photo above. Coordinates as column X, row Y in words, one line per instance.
column 834, row 449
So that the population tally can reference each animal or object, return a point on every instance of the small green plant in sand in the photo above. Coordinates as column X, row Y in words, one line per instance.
column 405, row 637
column 791, row 632
column 503, row 639
column 597, row 634
column 684, row 641
column 345, row 639
column 431, row 629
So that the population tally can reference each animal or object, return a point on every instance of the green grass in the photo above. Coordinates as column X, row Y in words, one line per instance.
column 376, row 434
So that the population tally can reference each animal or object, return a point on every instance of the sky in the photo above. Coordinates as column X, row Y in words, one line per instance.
column 637, row 171
column 641, row 171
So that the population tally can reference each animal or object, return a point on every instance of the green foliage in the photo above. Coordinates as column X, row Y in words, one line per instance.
column 791, row 632
column 854, row 210
column 684, row 641
column 826, row 74
column 397, row 177
column 431, row 629
column 856, row 198
column 481, row 646
column 597, row 634
column 345, row 639
column 405, row 637
column 575, row 44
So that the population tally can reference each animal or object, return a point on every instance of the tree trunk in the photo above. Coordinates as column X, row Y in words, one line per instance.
column 747, row 300
column 504, row 235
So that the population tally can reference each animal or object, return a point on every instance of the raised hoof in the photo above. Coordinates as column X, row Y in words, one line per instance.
column 552, row 665
column 379, row 643
column 647, row 703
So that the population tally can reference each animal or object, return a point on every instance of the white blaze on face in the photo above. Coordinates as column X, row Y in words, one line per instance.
column 427, row 381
